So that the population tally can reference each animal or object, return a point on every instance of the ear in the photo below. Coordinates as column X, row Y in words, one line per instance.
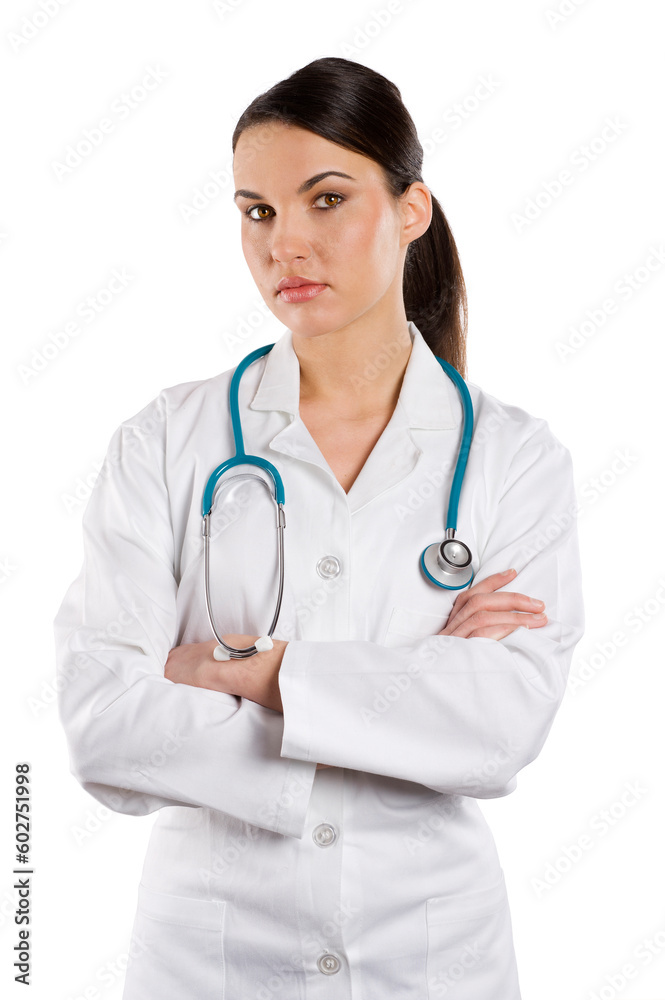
column 416, row 207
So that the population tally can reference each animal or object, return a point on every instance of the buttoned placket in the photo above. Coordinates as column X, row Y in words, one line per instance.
column 323, row 913
column 327, row 908
column 319, row 876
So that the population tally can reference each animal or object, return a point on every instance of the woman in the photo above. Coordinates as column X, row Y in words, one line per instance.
column 264, row 875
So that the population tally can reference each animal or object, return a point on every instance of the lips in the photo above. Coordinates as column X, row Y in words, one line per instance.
column 295, row 282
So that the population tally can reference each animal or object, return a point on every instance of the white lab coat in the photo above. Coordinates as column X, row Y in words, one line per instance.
column 265, row 878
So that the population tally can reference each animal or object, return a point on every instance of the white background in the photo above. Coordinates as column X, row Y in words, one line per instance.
column 552, row 84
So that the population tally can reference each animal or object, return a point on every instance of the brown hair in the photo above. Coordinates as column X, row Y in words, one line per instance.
column 361, row 110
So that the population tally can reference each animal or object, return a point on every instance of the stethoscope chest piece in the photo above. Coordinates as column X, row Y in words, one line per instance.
column 448, row 564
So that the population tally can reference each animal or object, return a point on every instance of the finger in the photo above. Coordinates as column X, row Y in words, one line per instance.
column 508, row 600
column 490, row 583
column 495, row 619
column 500, row 632
column 493, row 632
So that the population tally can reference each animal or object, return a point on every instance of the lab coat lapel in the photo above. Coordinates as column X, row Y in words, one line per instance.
column 279, row 389
column 296, row 442
column 393, row 457
column 427, row 400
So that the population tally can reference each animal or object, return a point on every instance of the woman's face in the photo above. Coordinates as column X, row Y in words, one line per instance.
column 346, row 233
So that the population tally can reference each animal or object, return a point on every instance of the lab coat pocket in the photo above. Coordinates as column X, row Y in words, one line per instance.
column 405, row 625
column 177, row 948
column 470, row 953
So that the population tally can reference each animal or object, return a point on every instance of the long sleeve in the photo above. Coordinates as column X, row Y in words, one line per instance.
column 455, row 714
column 137, row 741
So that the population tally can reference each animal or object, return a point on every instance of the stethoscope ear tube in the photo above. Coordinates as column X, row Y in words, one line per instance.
column 224, row 651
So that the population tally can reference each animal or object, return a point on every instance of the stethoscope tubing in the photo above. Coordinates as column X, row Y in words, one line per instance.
column 428, row 559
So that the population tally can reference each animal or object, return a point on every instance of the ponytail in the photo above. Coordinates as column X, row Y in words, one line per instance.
column 434, row 291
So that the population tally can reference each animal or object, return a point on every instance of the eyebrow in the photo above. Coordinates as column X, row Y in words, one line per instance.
column 305, row 186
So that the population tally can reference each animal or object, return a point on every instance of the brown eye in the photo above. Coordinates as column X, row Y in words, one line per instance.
column 331, row 194
column 258, row 208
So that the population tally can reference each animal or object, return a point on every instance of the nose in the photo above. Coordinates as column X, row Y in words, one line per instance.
column 288, row 239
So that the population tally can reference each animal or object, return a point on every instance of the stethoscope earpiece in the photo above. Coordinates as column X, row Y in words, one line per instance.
column 262, row 643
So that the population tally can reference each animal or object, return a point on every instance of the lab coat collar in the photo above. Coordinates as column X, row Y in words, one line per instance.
column 427, row 400
column 427, row 395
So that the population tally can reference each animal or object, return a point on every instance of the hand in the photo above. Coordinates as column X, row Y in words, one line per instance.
column 254, row 678
column 478, row 613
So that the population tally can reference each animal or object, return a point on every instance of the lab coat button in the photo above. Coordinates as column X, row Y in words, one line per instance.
column 328, row 964
column 328, row 567
column 324, row 834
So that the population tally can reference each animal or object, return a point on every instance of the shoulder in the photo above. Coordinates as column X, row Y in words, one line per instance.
column 506, row 423
column 167, row 423
column 513, row 449
column 182, row 402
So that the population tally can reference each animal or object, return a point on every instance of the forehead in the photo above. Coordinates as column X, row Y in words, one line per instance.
column 274, row 150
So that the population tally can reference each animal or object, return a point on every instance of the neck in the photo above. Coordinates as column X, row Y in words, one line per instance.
column 355, row 371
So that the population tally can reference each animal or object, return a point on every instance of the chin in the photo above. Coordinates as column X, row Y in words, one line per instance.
column 304, row 322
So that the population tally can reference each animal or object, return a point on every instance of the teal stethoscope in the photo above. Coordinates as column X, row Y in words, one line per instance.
column 446, row 564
